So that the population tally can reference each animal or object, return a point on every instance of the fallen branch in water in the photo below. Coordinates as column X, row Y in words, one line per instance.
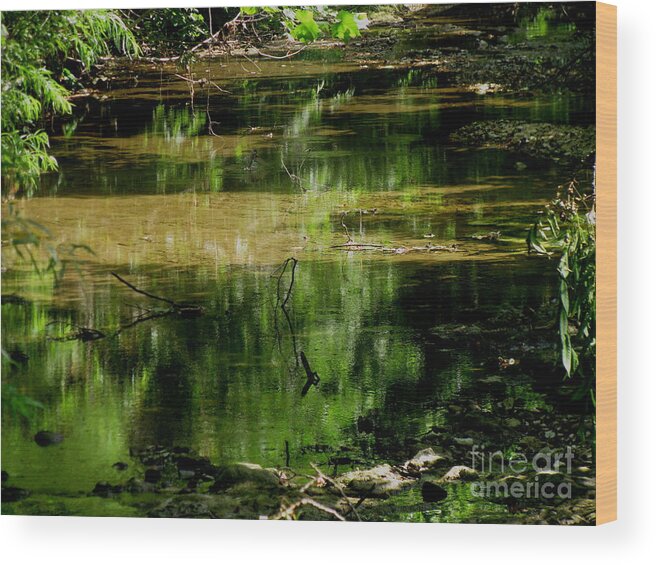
column 346, row 231
column 81, row 333
column 282, row 302
column 320, row 480
column 288, row 513
column 144, row 318
column 312, row 378
column 288, row 55
column 203, row 82
column 182, row 309
column 352, row 245
column 356, row 246
column 296, row 180
column 490, row 236
column 338, row 487
column 453, row 248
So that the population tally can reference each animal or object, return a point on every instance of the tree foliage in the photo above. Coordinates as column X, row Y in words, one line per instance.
column 310, row 23
column 167, row 29
column 41, row 51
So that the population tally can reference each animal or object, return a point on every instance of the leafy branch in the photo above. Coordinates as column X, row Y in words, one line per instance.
column 566, row 228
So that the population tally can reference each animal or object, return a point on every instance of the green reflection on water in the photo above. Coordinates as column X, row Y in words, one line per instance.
column 185, row 214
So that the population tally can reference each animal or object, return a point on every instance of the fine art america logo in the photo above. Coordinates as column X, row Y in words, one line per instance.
column 541, row 476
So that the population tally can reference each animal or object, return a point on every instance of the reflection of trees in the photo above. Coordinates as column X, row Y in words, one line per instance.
column 349, row 130
column 221, row 384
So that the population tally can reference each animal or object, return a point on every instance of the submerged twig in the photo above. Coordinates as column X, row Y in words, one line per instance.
column 352, row 245
column 312, row 378
column 91, row 334
column 348, row 235
column 180, row 308
column 298, row 181
column 144, row 292
column 294, row 262
column 82, row 333
column 282, row 302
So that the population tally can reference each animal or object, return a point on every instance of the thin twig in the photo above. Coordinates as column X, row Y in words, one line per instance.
column 346, row 231
column 294, row 262
column 339, row 488
column 145, row 293
column 288, row 513
column 287, row 56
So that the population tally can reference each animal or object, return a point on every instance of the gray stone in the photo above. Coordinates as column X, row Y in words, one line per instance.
column 152, row 475
column 463, row 441
column 378, row 482
column 137, row 486
column 424, row 460
column 230, row 475
column 460, row 473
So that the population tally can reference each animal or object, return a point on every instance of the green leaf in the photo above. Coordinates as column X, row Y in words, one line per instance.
column 564, row 296
column 533, row 241
column 567, row 353
column 346, row 27
column 307, row 30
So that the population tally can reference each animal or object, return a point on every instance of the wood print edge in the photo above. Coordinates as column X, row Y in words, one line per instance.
column 606, row 210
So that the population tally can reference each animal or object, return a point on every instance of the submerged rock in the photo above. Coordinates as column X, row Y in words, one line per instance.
column 378, row 482
column 230, row 475
column 5, row 476
column 152, row 475
column 433, row 492
column 14, row 494
column 193, row 466
column 120, row 466
column 137, row 486
column 104, row 489
column 561, row 143
column 245, row 506
column 460, row 473
column 45, row 438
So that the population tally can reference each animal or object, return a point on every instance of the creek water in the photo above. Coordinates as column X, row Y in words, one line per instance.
column 203, row 203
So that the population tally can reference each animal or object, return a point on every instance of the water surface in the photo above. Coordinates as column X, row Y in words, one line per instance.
column 190, row 212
